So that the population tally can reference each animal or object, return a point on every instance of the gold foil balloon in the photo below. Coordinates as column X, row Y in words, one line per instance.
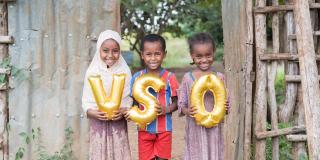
column 142, row 96
column 200, row 87
column 112, row 102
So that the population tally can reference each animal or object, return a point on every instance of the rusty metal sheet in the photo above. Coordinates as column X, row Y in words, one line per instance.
column 53, row 47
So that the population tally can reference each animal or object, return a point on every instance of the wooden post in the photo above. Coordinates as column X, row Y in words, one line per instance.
column 314, row 22
column 297, row 138
column 299, row 148
column 6, row 39
column 238, row 49
column 309, row 74
column 292, row 56
column 279, row 132
column 295, row 78
column 248, row 88
column 4, row 113
column 270, row 9
column 286, row 110
column 260, row 99
column 272, row 72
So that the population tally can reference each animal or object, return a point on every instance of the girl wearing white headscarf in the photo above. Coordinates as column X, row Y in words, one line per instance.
column 108, row 139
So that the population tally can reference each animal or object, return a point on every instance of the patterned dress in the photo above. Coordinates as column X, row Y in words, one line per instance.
column 109, row 140
column 200, row 143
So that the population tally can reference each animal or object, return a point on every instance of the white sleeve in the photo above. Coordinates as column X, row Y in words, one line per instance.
column 126, row 101
column 87, row 97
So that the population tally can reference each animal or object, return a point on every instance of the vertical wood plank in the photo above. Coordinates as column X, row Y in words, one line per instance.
column 299, row 148
column 272, row 72
column 248, row 87
column 309, row 74
column 286, row 110
column 260, row 100
column 238, row 66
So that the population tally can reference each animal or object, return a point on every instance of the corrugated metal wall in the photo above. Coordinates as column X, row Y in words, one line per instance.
column 53, row 45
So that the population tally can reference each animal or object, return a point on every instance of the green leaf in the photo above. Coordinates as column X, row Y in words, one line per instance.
column 2, row 78
column 19, row 153
column 14, row 71
column 27, row 139
column 23, row 134
column 5, row 63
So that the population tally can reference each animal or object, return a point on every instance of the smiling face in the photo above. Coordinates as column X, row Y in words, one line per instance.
column 202, row 55
column 153, row 55
column 110, row 52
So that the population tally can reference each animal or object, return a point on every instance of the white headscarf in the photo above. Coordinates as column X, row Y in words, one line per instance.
column 98, row 67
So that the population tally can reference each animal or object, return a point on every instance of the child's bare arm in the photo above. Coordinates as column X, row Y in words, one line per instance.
column 173, row 106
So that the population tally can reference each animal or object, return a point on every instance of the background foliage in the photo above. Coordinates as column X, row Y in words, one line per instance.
column 180, row 18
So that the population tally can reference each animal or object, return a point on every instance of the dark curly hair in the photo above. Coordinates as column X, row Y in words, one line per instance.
column 153, row 38
column 200, row 38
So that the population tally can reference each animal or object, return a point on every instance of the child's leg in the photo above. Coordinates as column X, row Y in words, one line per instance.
column 146, row 145
column 162, row 145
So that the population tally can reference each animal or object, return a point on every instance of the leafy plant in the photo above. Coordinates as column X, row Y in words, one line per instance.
column 65, row 153
column 26, row 138
column 6, row 65
column 14, row 71
column 285, row 146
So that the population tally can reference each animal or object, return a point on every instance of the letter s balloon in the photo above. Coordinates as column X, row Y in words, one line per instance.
column 142, row 96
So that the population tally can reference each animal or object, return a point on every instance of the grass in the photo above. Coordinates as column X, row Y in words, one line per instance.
column 177, row 53
column 280, row 85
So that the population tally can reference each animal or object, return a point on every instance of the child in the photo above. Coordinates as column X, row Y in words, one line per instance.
column 108, row 139
column 200, row 143
column 154, row 142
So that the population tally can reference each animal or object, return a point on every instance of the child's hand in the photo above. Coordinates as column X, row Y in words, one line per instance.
column 93, row 113
column 192, row 111
column 227, row 106
column 117, row 115
column 159, row 109
column 125, row 113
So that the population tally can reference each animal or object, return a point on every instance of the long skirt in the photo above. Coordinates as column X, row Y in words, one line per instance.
column 109, row 140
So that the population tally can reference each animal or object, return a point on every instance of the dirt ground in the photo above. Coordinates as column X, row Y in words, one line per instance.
column 178, row 123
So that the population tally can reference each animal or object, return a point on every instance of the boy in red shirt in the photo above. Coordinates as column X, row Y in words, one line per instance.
column 155, row 140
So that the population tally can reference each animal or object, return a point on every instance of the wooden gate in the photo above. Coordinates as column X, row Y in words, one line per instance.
column 258, row 38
